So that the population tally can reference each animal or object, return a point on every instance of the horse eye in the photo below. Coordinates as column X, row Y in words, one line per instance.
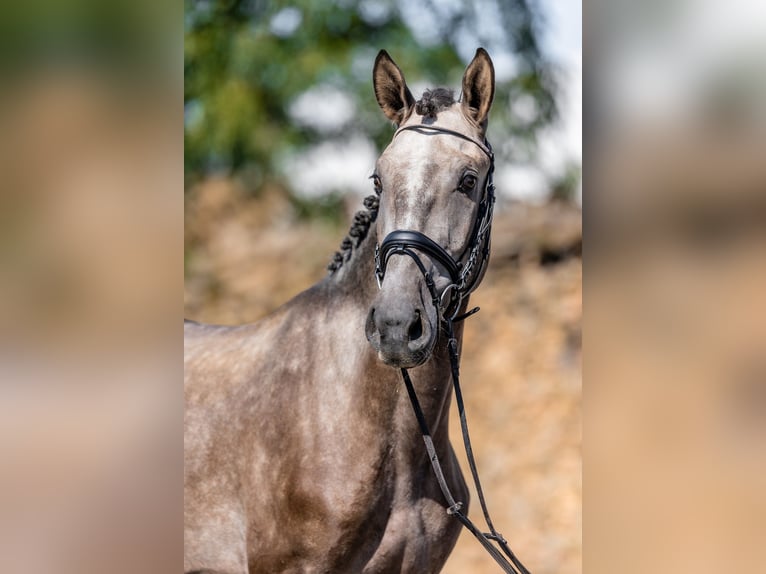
column 468, row 182
column 377, row 184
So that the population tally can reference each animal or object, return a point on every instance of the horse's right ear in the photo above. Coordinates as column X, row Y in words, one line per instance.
column 391, row 90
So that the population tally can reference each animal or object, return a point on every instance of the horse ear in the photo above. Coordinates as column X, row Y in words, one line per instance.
column 478, row 87
column 391, row 90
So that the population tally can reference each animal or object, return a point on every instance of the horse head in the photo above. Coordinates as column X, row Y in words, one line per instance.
column 435, row 185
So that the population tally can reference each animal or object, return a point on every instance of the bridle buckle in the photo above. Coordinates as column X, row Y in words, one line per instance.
column 455, row 298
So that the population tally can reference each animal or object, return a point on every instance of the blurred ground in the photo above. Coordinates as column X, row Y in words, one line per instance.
column 521, row 361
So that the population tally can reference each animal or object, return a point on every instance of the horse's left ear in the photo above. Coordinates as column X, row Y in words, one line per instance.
column 478, row 87
column 391, row 90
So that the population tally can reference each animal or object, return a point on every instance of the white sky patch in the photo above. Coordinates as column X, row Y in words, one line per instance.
column 560, row 145
column 422, row 22
column 285, row 22
column 562, row 142
column 522, row 183
column 375, row 12
column 333, row 166
column 663, row 70
column 324, row 108
column 506, row 66
column 562, row 37
column 524, row 108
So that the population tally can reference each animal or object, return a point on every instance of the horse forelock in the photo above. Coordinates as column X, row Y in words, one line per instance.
column 433, row 101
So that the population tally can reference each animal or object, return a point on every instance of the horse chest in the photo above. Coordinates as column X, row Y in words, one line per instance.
column 365, row 511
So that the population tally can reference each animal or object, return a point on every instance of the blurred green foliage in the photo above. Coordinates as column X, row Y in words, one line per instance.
column 128, row 40
column 246, row 62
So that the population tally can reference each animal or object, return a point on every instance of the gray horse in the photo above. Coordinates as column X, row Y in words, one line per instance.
column 302, row 453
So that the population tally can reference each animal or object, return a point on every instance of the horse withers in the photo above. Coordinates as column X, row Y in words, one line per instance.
column 302, row 453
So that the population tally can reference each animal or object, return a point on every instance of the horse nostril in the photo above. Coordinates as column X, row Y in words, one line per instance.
column 416, row 328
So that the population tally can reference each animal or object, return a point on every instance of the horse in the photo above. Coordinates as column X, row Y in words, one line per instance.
column 301, row 451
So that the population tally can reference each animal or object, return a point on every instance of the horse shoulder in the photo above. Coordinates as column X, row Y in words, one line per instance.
column 224, row 371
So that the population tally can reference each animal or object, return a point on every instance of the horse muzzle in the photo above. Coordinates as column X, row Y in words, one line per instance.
column 402, row 335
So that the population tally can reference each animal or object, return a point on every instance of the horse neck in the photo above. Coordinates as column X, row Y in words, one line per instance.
column 383, row 385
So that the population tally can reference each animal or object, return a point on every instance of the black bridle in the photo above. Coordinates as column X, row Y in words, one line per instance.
column 463, row 271
column 464, row 275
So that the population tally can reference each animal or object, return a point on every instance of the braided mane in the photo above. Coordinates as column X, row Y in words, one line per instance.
column 359, row 229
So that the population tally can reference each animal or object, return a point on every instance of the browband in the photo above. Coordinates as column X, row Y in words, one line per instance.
column 424, row 129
